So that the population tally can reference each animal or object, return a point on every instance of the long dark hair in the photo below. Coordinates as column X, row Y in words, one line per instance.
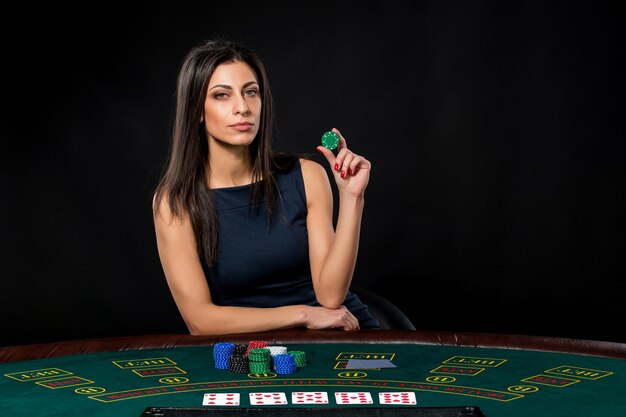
column 184, row 181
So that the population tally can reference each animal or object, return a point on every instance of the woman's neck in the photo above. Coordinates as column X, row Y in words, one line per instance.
column 229, row 166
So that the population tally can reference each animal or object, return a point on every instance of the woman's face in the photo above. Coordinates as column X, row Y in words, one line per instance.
column 232, row 108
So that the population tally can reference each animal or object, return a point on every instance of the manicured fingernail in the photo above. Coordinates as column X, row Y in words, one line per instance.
column 351, row 171
column 336, row 167
column 343, row 174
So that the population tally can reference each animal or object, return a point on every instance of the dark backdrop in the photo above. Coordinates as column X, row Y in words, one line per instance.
column 495, row 130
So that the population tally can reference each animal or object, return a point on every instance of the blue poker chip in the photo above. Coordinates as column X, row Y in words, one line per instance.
column 284, row 363
column 221, row 353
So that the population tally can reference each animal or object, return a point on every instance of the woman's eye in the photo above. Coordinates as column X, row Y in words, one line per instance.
column 221, row 95
column 251, row 93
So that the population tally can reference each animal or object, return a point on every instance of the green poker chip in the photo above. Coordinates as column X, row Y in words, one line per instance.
column 330, row 140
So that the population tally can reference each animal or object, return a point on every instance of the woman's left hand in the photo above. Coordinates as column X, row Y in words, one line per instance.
column 351, row 171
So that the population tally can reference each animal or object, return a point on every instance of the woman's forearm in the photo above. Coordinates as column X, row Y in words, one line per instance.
column 336, row 274
column 218, row 320
column 215, row 320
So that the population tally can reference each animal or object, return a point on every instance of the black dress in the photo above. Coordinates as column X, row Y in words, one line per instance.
column 267, row 265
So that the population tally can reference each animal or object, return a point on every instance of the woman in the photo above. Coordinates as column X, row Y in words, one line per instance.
column 245, row 235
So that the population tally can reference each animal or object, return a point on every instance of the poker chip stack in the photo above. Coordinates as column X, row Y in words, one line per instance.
column 255, row 344
column 299, row 357
column 284, row 363
column 241, row 349
column 221, row 354
column 259, row 360
column 276, row 350
column 238, row 364
column 257, row 356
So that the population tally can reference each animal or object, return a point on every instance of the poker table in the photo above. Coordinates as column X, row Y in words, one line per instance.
column 433, row 374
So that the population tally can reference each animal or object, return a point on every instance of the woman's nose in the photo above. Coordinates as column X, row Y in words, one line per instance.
column 241, row 106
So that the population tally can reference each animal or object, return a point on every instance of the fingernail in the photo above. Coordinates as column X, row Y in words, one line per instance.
column 351, row 171
column 343, row 174
column 336, row 167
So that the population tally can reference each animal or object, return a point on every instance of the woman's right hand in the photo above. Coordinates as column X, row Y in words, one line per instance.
column 324, row 318
column 351, row 171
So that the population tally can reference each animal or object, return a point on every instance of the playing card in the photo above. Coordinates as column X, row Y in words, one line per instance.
column 353, row 398
column 407, row 398
column 309, row 397
column 369, row 364
column 267, row 398
column 221, row 399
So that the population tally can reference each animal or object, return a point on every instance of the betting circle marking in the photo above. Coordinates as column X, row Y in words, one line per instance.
column 266, row 375
column 173, row 380
column 89, row 390
column 352, row 375
column 441, row 379
column 523, row 388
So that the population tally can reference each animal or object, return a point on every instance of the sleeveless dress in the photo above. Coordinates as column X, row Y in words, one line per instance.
column 267, row 265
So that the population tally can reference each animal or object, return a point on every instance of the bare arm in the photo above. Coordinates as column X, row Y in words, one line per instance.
column 187, row 282
column 333, row 252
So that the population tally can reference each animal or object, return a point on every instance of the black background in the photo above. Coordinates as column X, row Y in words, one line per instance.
column 495, row 130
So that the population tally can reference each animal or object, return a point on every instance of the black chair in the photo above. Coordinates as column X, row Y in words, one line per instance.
column 387, row 313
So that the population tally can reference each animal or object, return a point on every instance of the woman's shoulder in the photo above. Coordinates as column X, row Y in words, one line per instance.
column 303, row 166
column 316, row 182
column 312, row 169
column 165, row 209
column 161, row 209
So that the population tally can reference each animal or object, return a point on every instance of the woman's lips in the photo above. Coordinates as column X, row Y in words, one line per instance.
column 242, row 127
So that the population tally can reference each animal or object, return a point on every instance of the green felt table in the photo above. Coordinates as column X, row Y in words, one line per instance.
column 500, row 378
